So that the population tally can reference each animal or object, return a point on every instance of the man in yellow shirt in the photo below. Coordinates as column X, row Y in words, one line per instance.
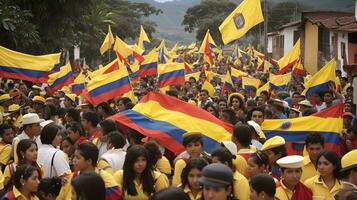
column 7, row 135
column 314, row 143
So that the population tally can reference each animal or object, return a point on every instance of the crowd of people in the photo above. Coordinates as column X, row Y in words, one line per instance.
column 58, row 146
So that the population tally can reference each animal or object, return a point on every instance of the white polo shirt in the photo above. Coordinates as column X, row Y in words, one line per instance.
column 60, row 161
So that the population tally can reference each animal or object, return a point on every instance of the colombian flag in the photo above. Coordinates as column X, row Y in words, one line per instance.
column 241, row 20
column 320, row 81
column 110, row 67
column 290, row 58
column 59, row 79
column 237, row 75
column 143, row 39
column 107, row 86
column 167, row 118
column 279, row 82
column 123, row 51
column 299, row 68
column 27, row 67
column 327, row 122
column 171, row 74
column 228, row 83
column 249, row 83
column 149, row 66
column 207, row 47
column 79, row 84
column 108, row 41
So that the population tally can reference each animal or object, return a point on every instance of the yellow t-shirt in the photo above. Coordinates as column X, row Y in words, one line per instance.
column 163, row 165
column 161, row 182
column 241, row 188
column 283, row 193
column 11, row 168
column 240, row 164
column 180, row 164
column 65, row 192
column 1, row 181
column 320, row 190
column 308, row 169
column 5, row 152
column 188, row 191
column 104, row 165
column 19, row 196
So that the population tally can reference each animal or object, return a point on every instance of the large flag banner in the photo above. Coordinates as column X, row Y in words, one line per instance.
column 241, row 20
column 107, row 86
column 171, row 74
column 143, row 39
column 108, row 41
column 166, row 119
column 320, row 81
column 59, row 79
column 27, row 67
column 327, row 122
column 289, row 60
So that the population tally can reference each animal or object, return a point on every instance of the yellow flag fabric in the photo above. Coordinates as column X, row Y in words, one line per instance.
column 207, row 47
column 264, row 87
column 249, row 83
column 290, row 58
column 209, row 87
column 143, row 38
column 241, row 20
column 121, row 47
column 108, row 41
column 195, row 75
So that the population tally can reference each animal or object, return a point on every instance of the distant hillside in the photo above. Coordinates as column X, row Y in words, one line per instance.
column 169, row 22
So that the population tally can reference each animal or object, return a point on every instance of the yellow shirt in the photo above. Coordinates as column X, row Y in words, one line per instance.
column 104, row 165
column 240, row 164
column 19, row 196
column 283, row 193
column 5, row 151
column 320, row 190
column 163, row 165
column 161, row 182
column 308, row 169
column 11, row 168
column 188, row 191
column 241, row 187
column 65, row 192
column 180, row 164
column 1, row 181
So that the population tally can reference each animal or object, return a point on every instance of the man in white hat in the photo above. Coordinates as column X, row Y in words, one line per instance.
column 31, row 129
column 290, row 187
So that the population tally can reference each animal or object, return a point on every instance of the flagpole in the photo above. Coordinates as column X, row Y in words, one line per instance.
column 266, row 29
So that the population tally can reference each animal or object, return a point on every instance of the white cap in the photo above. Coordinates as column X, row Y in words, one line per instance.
column 44, row 123
column 31, row 118
column 305, row 103
column 231, row 146
column 257, row 128
column 292, row 162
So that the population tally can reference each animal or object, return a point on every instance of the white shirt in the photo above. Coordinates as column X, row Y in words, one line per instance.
column 23, row 136
column 115, row 158
column 321, row 107
column 60, row 161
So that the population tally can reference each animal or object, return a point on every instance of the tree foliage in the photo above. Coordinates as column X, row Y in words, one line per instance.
column 209, row 14
column 48, row 26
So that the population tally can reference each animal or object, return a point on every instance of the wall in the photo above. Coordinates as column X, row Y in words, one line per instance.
column 352, row 50
column 310, row 47
column 288, row 38
column 270, row 44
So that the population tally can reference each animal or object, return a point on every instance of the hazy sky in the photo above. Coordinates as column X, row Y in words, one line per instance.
column 163, row 0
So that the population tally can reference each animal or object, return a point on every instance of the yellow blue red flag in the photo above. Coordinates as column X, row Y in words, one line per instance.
column 279, row 82
column 171, row 74
column 320, row 81
column 149, row 65
column 27, row 67
column 166, row 119
column 241, row 20
column 289, row 60
column 207, row 47
column 59, row 79
column 237, row 75
column 79, row 84
column 250, row 83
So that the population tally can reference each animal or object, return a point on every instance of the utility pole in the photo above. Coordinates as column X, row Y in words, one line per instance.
column 266, row 29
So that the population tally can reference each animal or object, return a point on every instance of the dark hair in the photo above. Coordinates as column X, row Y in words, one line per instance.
column 263, row 183
column 124, row 100
column 172, row 93
column 108, row 125
column 129, row 105
column 205, row 91
column 294, row 93
column 89, row 151
column 116, row 139
column 243, row 134
column 308, row 112
column 106, row 108
column 147, row 178
column 92, row 117
column 314, row 138
column 224, row 156
column 135, row 135
column 251, row 102
column 211, row 104
column 241, row 102
column 74, row 114
column 231, row 115
column 89, row 186
column 75, row 126
column 250, row 113
column 4, row 127
column 22, row 147
column 50, row 186
column 48, row 133
column 172, row 193
column 333, row 158
column 192, row 138
column 22, row 172
column 153, row 152
column 193, row 163
column 279, row 149
column 68, row 139
column 260, row 158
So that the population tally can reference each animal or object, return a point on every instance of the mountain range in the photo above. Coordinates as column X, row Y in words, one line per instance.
column 169, row 22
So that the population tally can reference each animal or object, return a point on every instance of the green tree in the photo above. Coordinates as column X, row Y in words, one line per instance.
column 209, row 14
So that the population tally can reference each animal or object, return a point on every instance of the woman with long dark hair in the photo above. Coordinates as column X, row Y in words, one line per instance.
column 190, row 175
column 327, row 184
column 88, row 186
column 257, row 163
column 138, row 180
column 27, row 154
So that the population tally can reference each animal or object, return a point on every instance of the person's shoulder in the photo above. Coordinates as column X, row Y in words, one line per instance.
column 310, row 181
